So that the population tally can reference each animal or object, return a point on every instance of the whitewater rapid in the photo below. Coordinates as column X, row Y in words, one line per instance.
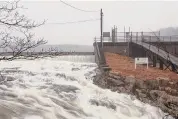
column 51, row 88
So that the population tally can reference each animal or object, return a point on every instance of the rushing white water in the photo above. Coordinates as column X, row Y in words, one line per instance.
column 75, row 58
column 53, row 89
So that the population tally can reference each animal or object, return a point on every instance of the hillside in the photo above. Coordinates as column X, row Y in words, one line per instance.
column 170, row 31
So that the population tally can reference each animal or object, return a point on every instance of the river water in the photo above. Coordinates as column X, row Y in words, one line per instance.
column 62, row 88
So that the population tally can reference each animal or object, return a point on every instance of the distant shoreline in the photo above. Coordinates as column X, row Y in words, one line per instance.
column 47, row 53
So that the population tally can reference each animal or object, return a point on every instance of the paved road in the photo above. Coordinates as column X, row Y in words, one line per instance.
column 160, row 53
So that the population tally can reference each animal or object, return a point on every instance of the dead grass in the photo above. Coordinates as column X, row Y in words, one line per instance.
column 125, row 66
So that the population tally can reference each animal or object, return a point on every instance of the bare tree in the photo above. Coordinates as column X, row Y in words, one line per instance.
column 15, row 30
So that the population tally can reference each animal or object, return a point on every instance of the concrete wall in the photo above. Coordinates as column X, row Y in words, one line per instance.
column 120, row 48
column 136, row 51
column 96, row 56
column 123, row 48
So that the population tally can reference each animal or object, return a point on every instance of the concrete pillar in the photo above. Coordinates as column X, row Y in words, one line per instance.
column 161, row 64
column 173, row 67
column 154, row 61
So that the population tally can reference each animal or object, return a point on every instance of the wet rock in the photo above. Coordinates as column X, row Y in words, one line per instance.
column 89, row 74
column 64, row 88
column 100, row 80
column 141, row 93
column 68, row 96
column 75, row 69
column 160, row 92
column 71, row 78
column 61, row 75
column 113, row 76
column 6, row 78
column 130, row 80
column 103, row 103
column 114, row 82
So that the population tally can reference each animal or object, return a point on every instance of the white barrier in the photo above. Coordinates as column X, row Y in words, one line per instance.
column 141, row 60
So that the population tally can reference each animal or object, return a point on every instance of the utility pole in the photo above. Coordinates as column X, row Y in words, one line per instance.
column 101, row 15
column 116, row 33
column 124, row 33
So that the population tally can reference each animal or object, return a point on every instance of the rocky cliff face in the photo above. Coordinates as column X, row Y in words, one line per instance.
column 159, row 92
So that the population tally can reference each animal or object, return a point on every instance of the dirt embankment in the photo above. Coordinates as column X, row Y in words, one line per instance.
column 156, row 87
column 125, row 66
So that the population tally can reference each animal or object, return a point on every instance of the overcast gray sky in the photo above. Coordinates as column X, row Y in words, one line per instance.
column 138, row 15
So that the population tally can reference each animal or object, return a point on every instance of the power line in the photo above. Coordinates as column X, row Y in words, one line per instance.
column 77, row 8
column 74, row 22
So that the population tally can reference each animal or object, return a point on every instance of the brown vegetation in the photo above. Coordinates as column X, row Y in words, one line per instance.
column 125, row 67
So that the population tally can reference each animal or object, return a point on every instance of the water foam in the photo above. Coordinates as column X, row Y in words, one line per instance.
column 51, row 88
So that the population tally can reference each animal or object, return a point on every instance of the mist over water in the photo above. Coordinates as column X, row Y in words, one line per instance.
column 51, row 88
